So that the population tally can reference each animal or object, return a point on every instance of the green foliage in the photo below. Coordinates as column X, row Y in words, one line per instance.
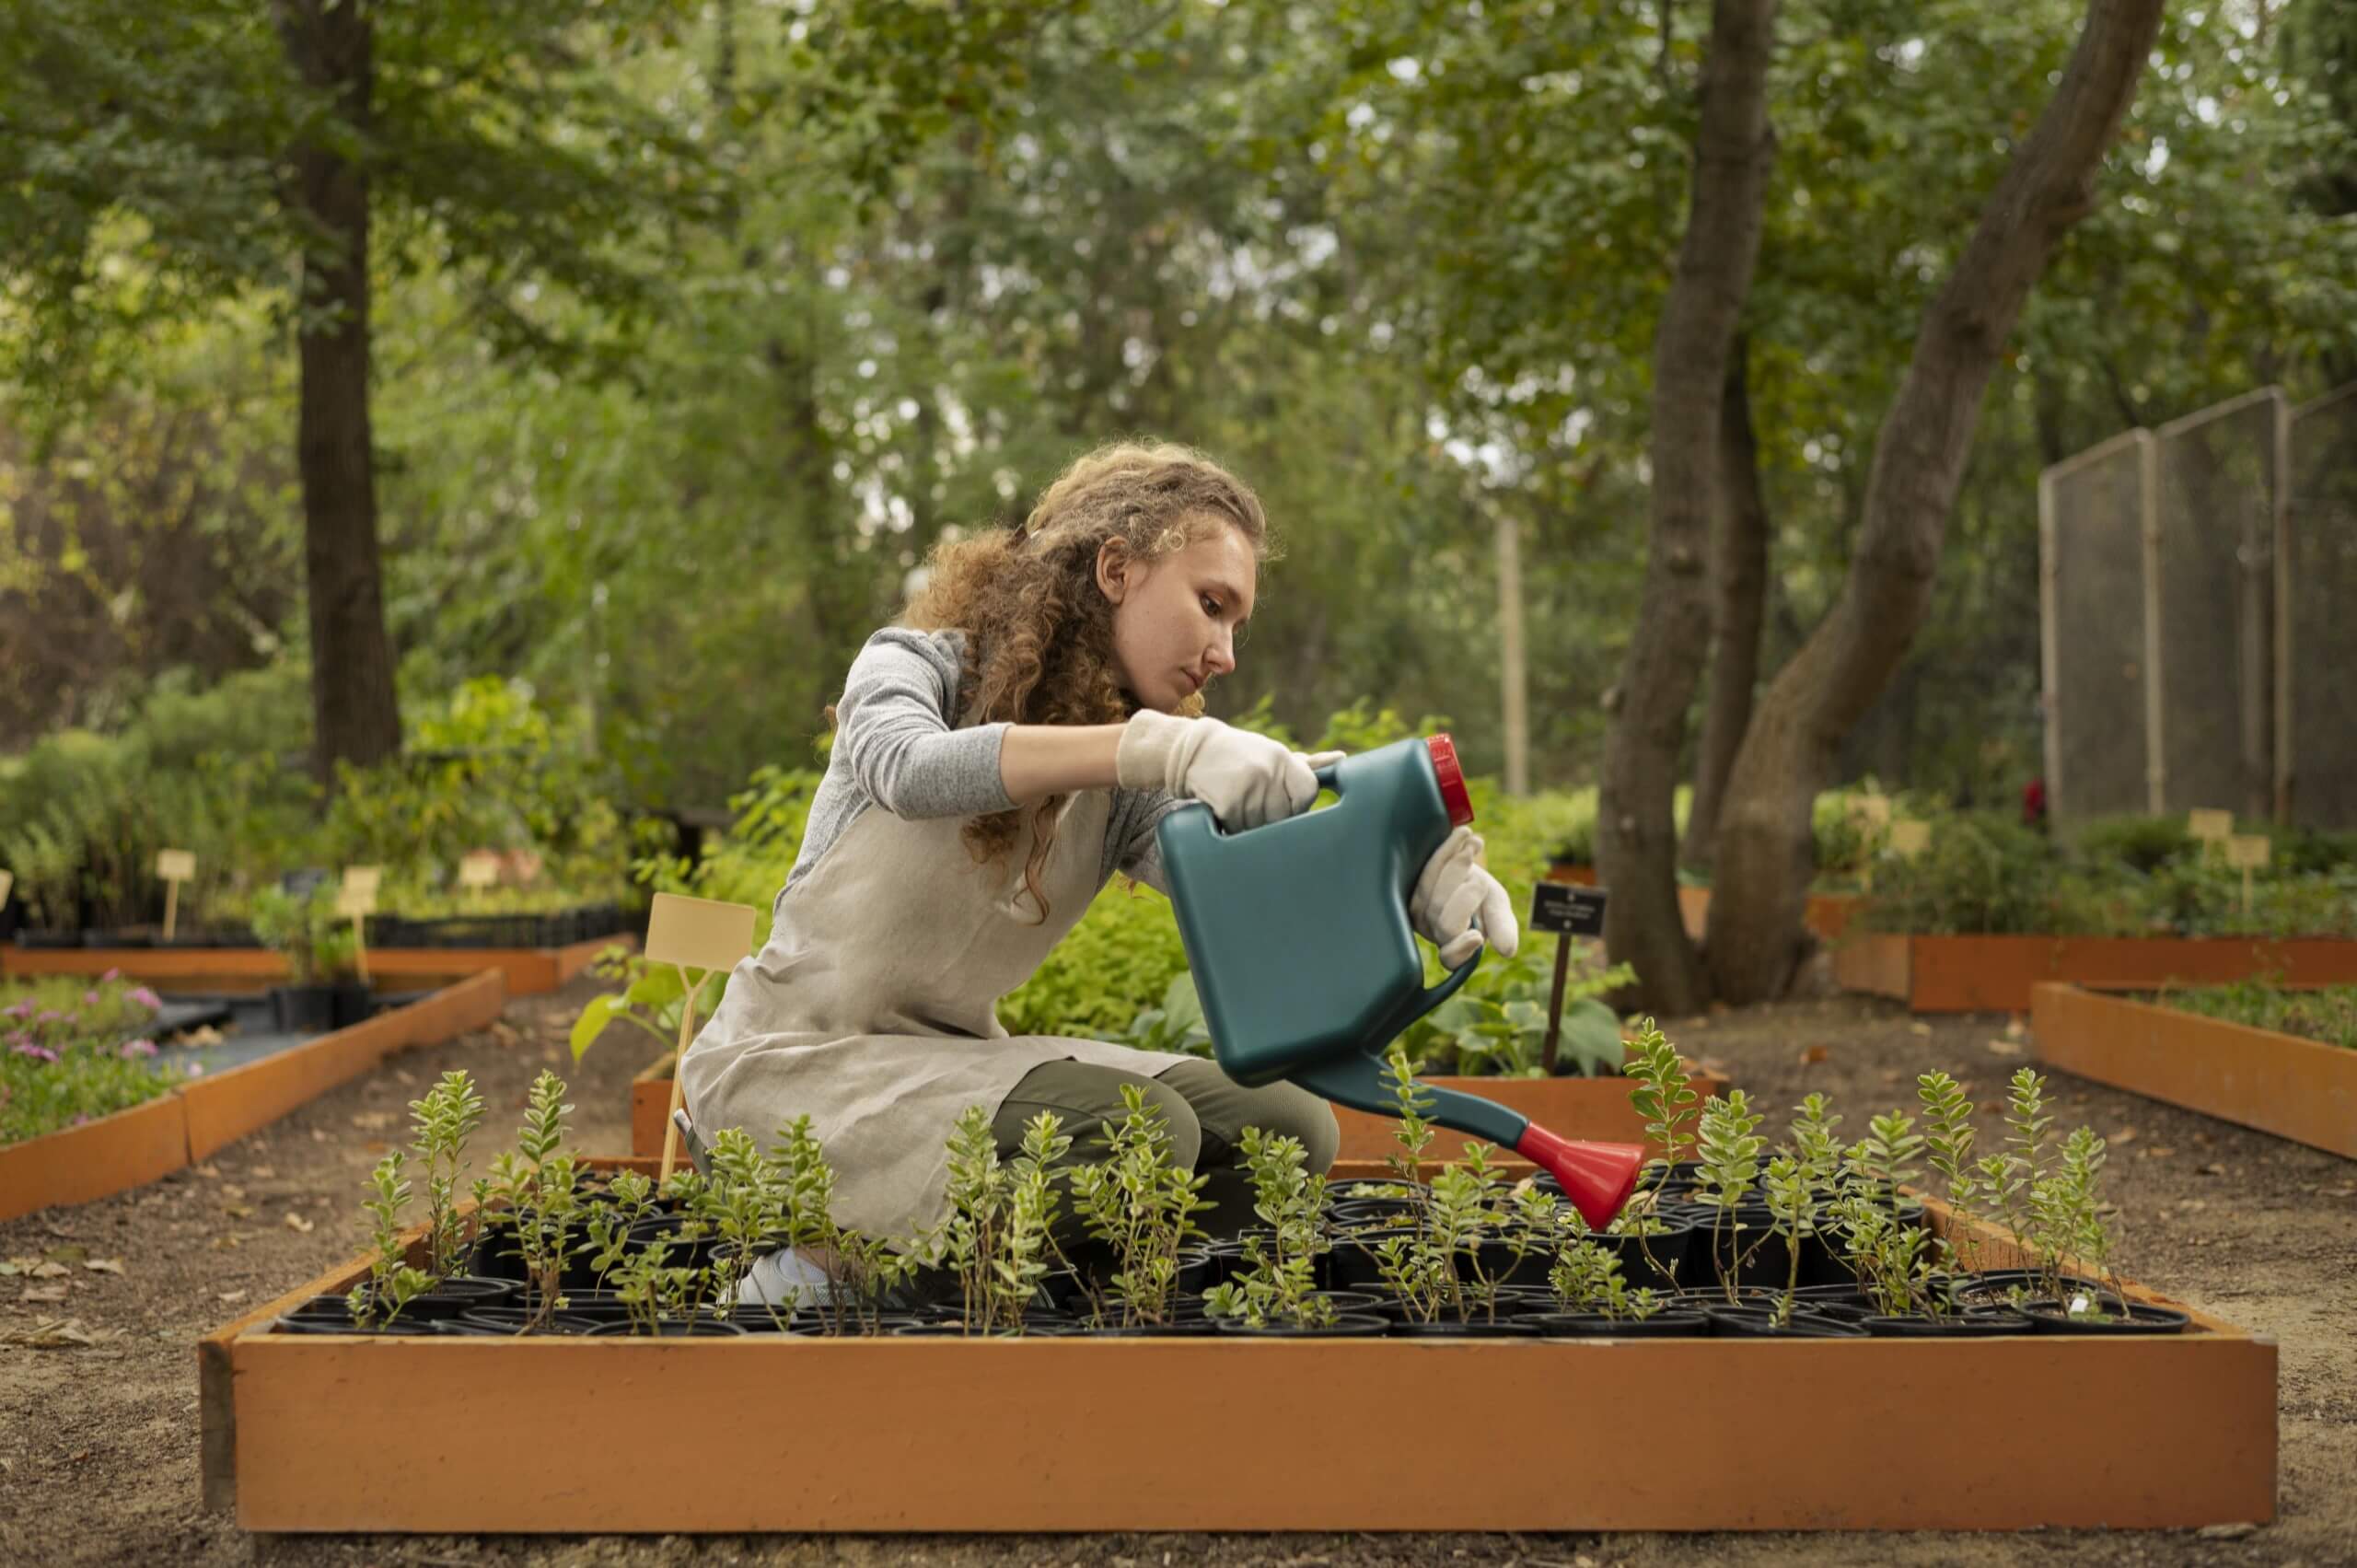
column 1140, row 1203
column 392, row 1283
column 1276, row 1284
column 2327, row 1014
column 446, row 1118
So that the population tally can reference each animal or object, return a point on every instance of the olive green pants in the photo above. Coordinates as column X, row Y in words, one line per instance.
column 1205, row 1109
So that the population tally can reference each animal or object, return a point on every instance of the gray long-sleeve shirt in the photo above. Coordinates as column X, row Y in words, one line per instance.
column 898, row 745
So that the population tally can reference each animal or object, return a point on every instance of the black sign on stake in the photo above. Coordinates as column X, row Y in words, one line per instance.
column 1568, row 912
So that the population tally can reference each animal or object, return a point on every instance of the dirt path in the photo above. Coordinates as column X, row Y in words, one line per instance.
column 99, row 1443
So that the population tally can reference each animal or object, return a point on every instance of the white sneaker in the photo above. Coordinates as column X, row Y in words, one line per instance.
column 782, row 1279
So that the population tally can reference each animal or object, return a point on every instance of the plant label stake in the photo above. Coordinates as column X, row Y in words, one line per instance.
column 1910, row 838
column 692, row 934
column 1567, row 912
column 8, row 880
column 1298, row 937
column 478, row 871
column 356, row 902
column 175, row 866
column 2213, row 828
column 2248, row 851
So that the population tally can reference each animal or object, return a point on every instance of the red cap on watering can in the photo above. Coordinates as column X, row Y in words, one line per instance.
column 1452, row 780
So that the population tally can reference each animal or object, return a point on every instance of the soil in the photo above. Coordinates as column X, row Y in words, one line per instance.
column 98, row 1440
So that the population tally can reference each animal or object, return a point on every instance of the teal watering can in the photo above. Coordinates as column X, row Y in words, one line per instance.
column 1297, row 934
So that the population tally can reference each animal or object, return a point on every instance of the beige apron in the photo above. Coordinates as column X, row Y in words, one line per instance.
column 874, row 1007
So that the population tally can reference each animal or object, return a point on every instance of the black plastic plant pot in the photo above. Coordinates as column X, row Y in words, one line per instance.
column 1353, row 1263
column 1662, row 1260
column 1671, row 1324
column 1759, row 1323
column 460, row 1293
column 1959, row 1327
column 1195, row 1328
column 509, row 1321
column 350, row 1003
column 303, row 1010
column 1996, row 1285
column 2053, row 1317
column 1348, row 1325
column 49, row 938
column 673, row 1328
column 1478, row 1329
column 333, row 1315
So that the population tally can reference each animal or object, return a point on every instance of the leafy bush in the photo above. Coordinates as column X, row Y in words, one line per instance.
column 2142, row 844
column 2329, row 1014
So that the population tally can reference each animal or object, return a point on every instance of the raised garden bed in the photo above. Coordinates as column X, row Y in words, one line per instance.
column 562, row 928
column 1592, row 1109
column 194, row 1118
column 2301, row 1089
column 1973, row 974
column 445, row 1434
column 526, row 972
column 1827, row 914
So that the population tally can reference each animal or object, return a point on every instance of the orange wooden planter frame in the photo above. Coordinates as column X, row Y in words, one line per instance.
column 528, row 972
column 348, row 1433
column 2300, row 1089
column 1973, row 975
column 196, row 1119
column 1595, row 1108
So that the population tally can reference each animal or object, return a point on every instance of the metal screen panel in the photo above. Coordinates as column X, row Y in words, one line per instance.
column 2090, row 536
column 2215, row 556
column 2319, row 580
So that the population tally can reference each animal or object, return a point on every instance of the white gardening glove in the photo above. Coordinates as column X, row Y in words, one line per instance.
column 1453, row 891
column 1246, row 779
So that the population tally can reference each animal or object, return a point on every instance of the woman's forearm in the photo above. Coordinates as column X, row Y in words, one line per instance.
column 1036, row 761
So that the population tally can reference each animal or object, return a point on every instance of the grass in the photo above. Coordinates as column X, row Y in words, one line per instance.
column 2329, row 1014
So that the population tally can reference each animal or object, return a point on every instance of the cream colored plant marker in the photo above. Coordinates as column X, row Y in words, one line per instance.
column 355, row 901
column 1872, row 810
column 175, row 866
column 2213, row 828
column 478, row 871
column 692, row 934
column 8, row 880
column 365, row 880
column 1909, row 839
column 2248, row 851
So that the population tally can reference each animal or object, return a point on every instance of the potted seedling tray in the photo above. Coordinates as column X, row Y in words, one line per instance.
column 1973, row 974
column 1594, row 1109
column 527, row 970
column 196, row 1118
column 443, row 1434
column 2301, row 1089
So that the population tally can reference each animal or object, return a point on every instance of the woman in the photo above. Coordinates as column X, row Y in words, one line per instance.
column 998, row 755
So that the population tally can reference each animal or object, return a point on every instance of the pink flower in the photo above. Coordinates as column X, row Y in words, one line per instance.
column 23, row 1009
column 37, row 1053
column 196, row 1069
column 110, row 975
column 147, row 999
column 138, row 1048
column 90, row 999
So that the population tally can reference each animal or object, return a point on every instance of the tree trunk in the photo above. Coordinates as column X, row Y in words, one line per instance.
column 1739, row 589
column 354, row 718
column 1636, row 835
column 1755, row 932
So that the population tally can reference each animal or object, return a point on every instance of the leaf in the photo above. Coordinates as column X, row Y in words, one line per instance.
column 104, row 1265
column 43, row 1293
column 591, row 1024
column 297, row 1223
column 1591, row 1037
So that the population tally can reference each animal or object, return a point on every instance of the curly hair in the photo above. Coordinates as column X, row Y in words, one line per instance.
column 1039, row 632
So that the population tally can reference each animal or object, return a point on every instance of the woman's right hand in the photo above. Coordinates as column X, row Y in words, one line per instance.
column 1247, row 779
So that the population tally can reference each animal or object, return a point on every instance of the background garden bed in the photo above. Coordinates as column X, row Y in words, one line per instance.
column 2295, row 1088
column 337, row 1432
column 192, row 1120
column 1973, row 975
column 526, row 972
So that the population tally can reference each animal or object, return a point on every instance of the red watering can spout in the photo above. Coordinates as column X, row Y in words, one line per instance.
column 1596, row 1178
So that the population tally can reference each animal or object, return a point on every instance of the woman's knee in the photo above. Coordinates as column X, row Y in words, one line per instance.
column 1083, row 1098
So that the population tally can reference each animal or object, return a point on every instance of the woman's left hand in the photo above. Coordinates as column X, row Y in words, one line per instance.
column 1454, row 892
